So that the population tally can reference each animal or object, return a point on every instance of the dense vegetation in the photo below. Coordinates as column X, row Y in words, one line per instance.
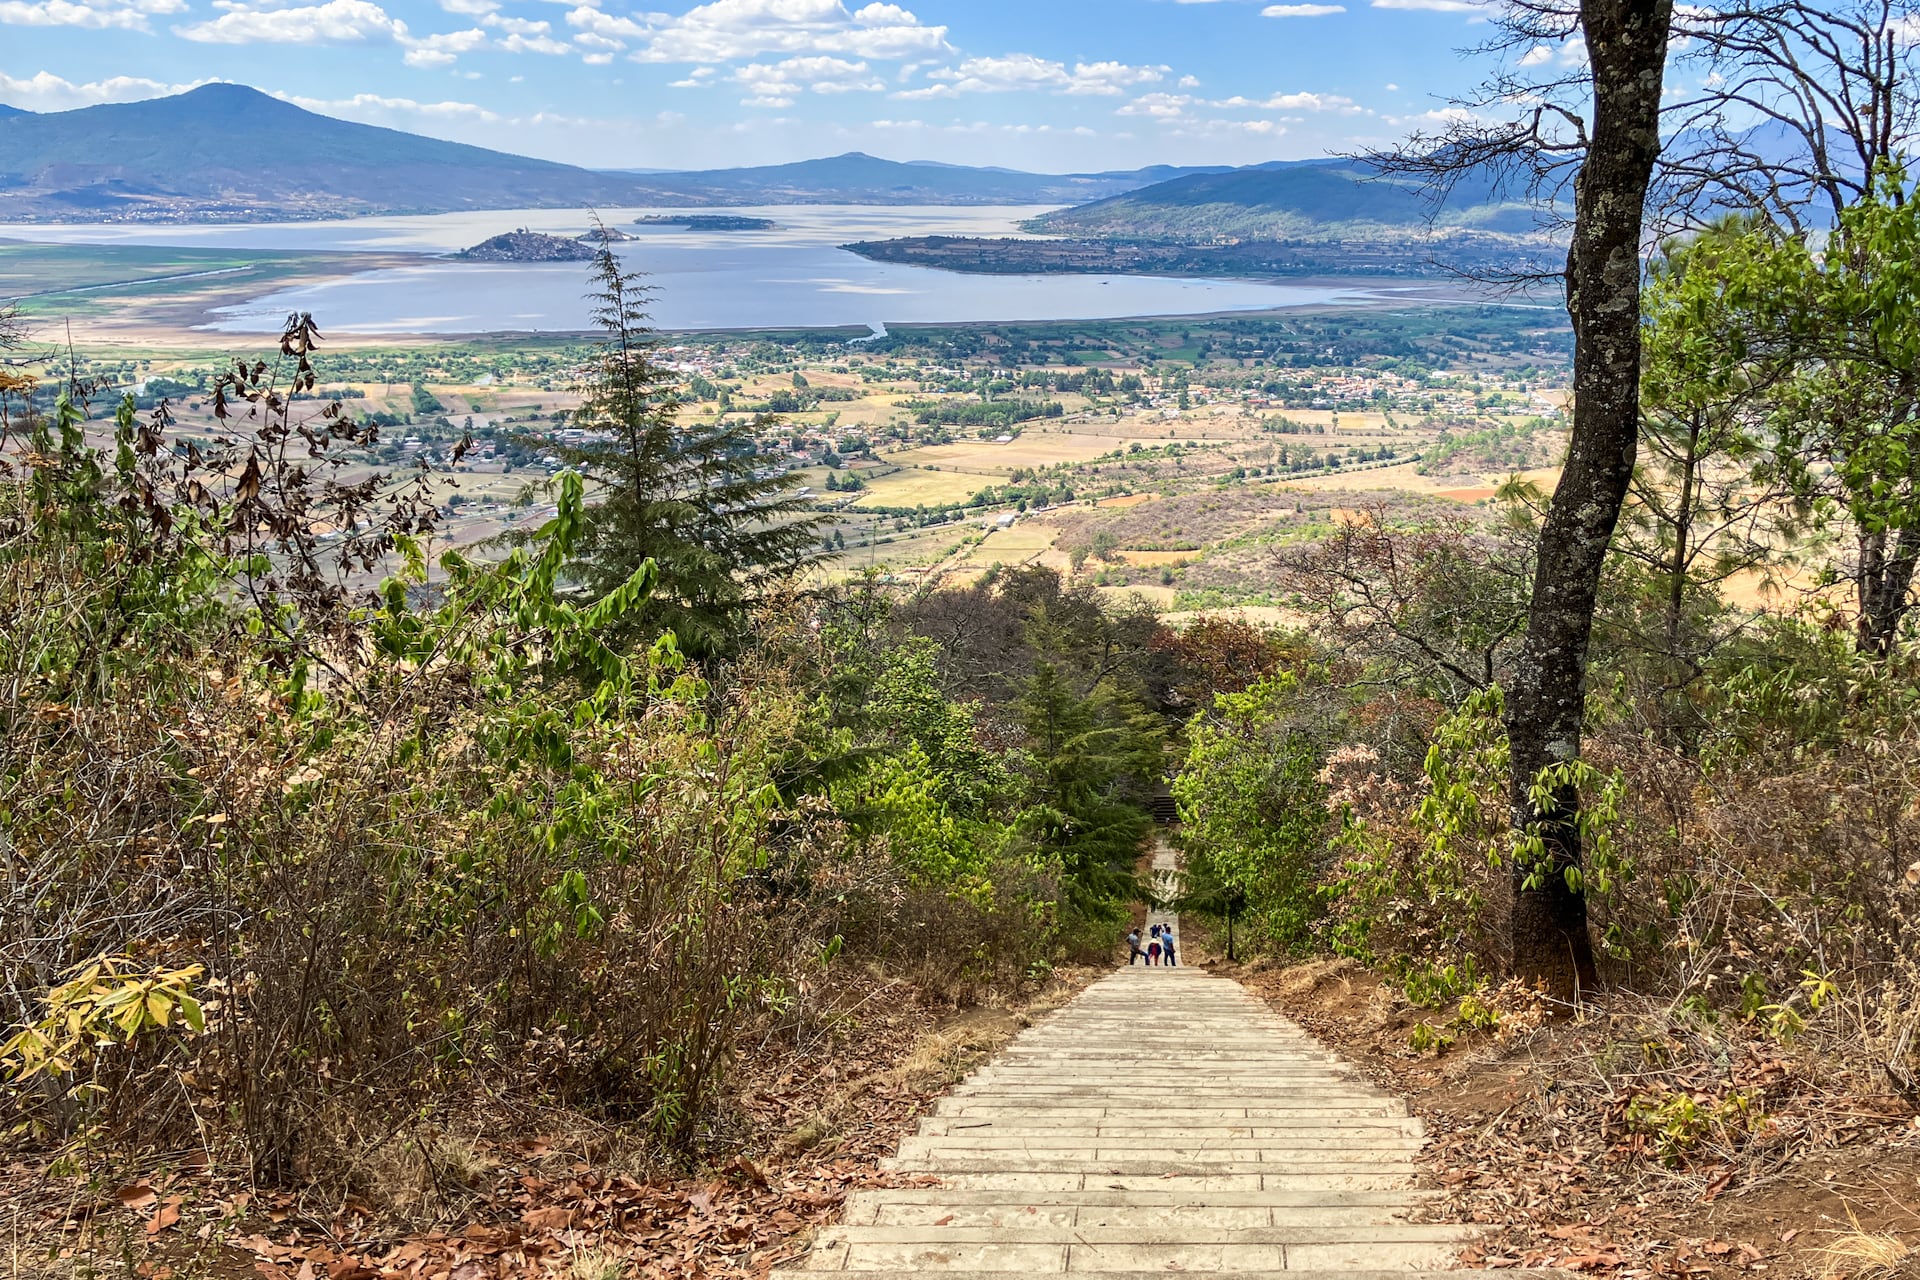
column 308, row 840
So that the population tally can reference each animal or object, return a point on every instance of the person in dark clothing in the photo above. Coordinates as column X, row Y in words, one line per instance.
column 1133, row 948
column 1166, row 941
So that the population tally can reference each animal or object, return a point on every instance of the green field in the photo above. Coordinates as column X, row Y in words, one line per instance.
column 83, row 281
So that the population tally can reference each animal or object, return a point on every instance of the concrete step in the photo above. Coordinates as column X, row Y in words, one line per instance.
column 1184, row 1255
column 1266, row 1108
column 1211, row 1218
column 1196, row 1232
column 1158, row 1194
column 1043, row 1145
column 1517, row 1273
column 1130, row 1163
column 1002, row 1181
column 1144, row 1125
column 1334, row 1091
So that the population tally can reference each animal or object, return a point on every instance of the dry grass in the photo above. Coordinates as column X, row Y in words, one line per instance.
column 594, row 1264
column 911, row 487
column 1030, row 449
column 1161, row 598
column 1867, row 1255
column 949, row 1055
column 936, row 1061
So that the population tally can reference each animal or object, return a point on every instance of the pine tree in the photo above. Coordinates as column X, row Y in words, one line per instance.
column 694, row 498
column 1096, row 758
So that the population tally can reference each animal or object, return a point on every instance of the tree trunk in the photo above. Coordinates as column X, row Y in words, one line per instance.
column 1682, row 537
column 1627, row 46
column 1886, row 585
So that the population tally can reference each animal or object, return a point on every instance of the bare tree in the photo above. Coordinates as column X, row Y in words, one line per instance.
column 1798, row 104
column 1438, row 601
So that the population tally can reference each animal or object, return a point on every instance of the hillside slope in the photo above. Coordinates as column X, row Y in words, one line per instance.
column 225, row 150
column 1329, row 198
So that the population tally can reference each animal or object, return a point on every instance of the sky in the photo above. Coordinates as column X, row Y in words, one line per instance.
column 1046, row 85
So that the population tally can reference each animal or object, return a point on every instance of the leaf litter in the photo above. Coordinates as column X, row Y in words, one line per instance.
column 1631, row 1143
column 807, row 1120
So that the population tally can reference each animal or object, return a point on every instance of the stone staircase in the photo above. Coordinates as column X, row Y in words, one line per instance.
column 1164, row 1121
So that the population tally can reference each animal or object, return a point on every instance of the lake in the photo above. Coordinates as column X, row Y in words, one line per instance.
column 792, row 277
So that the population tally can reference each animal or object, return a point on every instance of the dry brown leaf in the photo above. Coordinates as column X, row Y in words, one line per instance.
column 166, row 1216
column 137, row 1196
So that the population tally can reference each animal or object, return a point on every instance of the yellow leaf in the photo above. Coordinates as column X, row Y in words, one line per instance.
column 131, row 1017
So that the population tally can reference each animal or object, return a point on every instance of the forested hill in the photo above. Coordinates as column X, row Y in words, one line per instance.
column 1287, row 200
column 227, row 152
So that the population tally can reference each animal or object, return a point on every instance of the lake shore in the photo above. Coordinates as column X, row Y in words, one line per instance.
column 381, row 281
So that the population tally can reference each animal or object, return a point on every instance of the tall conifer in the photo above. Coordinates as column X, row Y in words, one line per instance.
column 696, row 498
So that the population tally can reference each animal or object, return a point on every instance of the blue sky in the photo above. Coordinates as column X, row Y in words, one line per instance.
column 1036, row 84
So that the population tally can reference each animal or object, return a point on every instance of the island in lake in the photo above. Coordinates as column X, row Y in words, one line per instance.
column 706, row 222
column 605, row 235
column 522, row 245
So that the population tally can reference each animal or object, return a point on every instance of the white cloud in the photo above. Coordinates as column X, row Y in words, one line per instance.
column 1016, row 72
column 1107, row 78
column 363, row 22
column 126, row 15
column 1159, row 106
column 1442, row 117
column 534, row 44
column 1570, row 53
column 441, row 50
column 779, row 84
column 469, row 8
column 1193, row 128
column 1295, row 102
column 728, row 30
column 590, row 19
column 516, row 26
column 1301, row 10
column 45, row 91
column 365, row 106
column 335, row 22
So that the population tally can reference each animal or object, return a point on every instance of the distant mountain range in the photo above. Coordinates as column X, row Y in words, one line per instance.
column 857, row 178
column 1287, row 200
column 228, row 152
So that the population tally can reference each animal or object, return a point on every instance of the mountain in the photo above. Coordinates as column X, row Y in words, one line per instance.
column 228, row 152
column 858, row 178
column 1310, row 199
